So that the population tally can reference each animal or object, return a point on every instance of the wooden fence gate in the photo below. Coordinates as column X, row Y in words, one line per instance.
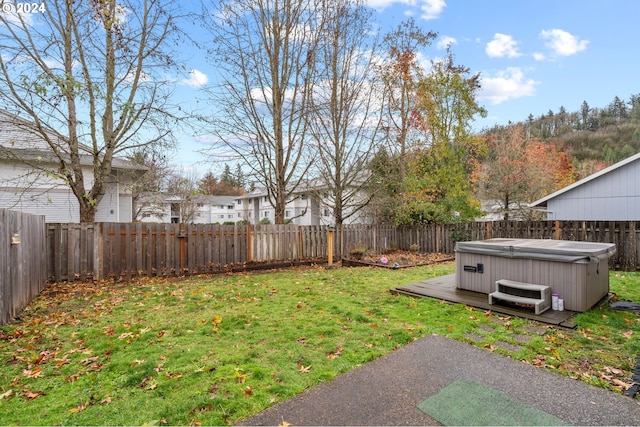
column 22, row 273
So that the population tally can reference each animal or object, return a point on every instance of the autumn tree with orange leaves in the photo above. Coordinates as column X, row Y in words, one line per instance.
column 518, row 171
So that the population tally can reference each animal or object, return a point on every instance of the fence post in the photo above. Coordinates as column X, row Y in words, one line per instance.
column 249, row 242
column 557, row 231
column 97, row 251
column 330, row 245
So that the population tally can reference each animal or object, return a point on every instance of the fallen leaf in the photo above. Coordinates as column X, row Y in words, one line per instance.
column 627, row 334
column 72, row 378
column 32, row 373
column 615, row 371
column 7, row 394
column 90, row 360
column 621, row 384
column 247, row 391
column 240, row 377
column 31, row 394
column 202, row 409
column 304, row 369
column 284, row 423
column 216, row 319
column 105, row 400
column 79, row 408
column 61, row 362
column 173, row 376
column 335, row 354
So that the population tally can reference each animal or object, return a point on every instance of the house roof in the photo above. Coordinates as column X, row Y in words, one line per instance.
column 543, row 201
column 20, row 141
column 177, row 198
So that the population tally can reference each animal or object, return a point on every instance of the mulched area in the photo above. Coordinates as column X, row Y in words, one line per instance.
column 397, row 259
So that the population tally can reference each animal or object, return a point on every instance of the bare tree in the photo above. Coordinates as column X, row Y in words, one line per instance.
column 265, row 51
column 146, row 189
column 93, row 73
column 347, row 108
column 183, row 195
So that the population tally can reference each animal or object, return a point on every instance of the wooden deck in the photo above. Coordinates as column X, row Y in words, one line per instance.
column 444, row 288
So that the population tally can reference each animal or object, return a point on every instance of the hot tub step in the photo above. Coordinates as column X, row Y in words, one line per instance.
column 539, row 296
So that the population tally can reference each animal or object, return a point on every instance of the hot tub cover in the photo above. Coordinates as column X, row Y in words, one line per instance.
column 552, row 250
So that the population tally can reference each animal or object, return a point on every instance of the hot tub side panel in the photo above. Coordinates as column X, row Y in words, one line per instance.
column 580, row 284
column 494, row 268
column 598, row 279
column 565, row 279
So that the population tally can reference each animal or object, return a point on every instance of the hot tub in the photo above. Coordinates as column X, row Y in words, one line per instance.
column 577, row 271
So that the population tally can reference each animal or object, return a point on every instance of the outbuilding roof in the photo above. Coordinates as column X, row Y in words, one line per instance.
column 543, row 201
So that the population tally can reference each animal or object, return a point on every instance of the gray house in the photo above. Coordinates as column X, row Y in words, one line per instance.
column 613, row 194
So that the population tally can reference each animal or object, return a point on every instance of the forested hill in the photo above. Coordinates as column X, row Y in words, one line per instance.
column 592, row 134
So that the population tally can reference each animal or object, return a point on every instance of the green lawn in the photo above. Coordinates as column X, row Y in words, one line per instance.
column 212, row 350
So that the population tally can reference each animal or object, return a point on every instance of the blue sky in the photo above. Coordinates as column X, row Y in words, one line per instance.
column 533, row 56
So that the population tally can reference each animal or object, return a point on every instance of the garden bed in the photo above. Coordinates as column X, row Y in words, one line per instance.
column 396, row 259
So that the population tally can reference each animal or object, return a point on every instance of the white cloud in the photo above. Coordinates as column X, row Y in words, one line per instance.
column 196, row 79
column 563, row 43
column 446, row 41
column 508, row 84
column 502, row 45
column 431, row 9
column 538, row 56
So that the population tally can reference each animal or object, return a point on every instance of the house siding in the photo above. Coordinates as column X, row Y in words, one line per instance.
column 57, row 205
column 31, row 190
column 612, row 196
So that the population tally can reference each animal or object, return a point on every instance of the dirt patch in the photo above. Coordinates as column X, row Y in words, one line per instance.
column 397, row 259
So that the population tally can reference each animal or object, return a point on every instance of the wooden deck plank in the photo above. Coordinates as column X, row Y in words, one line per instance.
column 444, row 288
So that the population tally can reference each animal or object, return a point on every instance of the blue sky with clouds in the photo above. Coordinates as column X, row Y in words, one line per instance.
column 533, row 56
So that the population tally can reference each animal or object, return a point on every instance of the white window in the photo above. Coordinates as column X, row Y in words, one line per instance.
column 221, row 216
column 287, row 214
column 230, row 216
column 266, row 214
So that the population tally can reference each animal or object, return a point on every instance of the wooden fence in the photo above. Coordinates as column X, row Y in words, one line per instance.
column 442, row 237
column 22, row 273
column 122, row 251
